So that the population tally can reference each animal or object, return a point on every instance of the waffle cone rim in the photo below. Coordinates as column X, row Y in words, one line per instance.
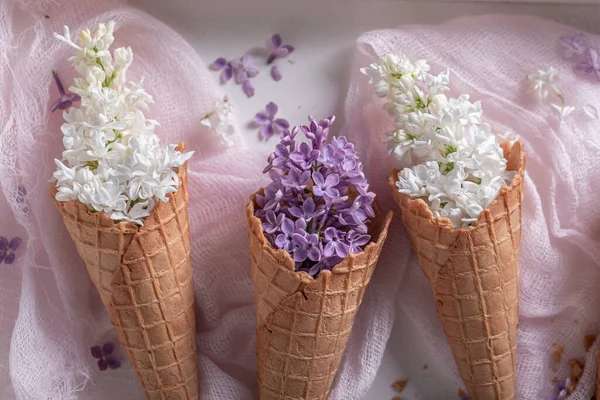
column 420, row 207
column 124, row 226
column 380, row 222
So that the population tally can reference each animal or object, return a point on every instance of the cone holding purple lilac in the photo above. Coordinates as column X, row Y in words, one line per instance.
column 315, row 239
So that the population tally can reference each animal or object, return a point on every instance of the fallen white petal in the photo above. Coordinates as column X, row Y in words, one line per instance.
column 591, row 111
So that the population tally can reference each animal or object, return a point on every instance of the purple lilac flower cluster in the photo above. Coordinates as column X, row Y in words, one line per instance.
column 318, row 204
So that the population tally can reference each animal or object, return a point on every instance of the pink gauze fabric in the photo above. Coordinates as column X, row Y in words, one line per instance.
column 50, row 314
column 489, row 58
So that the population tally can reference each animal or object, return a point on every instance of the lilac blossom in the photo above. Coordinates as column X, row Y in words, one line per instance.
column 269, row 124
column 221, row 64
column 562, row 388
column 105, row 356
column 296, row 179
column 590, row 65
column 318, row 204
column 304, row 156
column 276, row 73
column 244, row 68
column 335, row 243
column 277, row 49
column 273, row 222
column 573, row 44
column 66, row 100
column 308, row 210
column 8, row 248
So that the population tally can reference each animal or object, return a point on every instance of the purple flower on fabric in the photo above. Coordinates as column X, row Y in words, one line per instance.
column 296, row 179
column 308, row 210
column 356, row 240
column 335, row 243
column 8, row 248
column 306, row 246
column 105, row 356
column 66, row 100
column 561, row 389
column 269, row 124
column 304, row 155
column 326, row 186
column 277, row 49
column 273, row 221
column 573, row 44
column 276, row 73
column 221, row 64
column 590, row 65
column 285, row 240
column 244, row 68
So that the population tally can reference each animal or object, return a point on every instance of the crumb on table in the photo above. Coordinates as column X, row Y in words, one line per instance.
column 557, row 355
column 588, row 341
column 399, row 385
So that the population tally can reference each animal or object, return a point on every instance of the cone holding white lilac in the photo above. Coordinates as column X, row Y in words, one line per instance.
column 460, row 195
column 123, row 197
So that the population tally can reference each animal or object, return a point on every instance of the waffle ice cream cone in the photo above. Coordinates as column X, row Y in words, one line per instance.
column 144, row 277
column 303, row 324
column 474, row 276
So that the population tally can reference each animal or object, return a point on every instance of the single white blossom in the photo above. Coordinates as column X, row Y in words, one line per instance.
column 543, row 81
column 219, row 119
column 454, row 161
column 112, row 159
column 561, row 111
column 591, row 111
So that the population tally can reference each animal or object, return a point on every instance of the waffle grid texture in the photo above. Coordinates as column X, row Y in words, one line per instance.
column 144, row 278
column 474, row 276
column 303, row 324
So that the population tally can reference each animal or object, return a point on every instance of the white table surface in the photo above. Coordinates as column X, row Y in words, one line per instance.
column 315, row 79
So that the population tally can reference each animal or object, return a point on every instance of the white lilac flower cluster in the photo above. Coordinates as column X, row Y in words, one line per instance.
column 113, row 161
column 452, row 159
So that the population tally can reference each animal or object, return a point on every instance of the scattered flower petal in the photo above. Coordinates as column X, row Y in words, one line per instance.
column 8, row 249
column 543, row 81
column 219, row 120
column 105, row 356
column 561, row 111
column 244, row 69
column 591, row 111
column 218, row 64
column 248, row 88
column 573, row 44
column 66, row 100
column 276, row 49
column 276, row 73
column 269, row 124
column 590, row 65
